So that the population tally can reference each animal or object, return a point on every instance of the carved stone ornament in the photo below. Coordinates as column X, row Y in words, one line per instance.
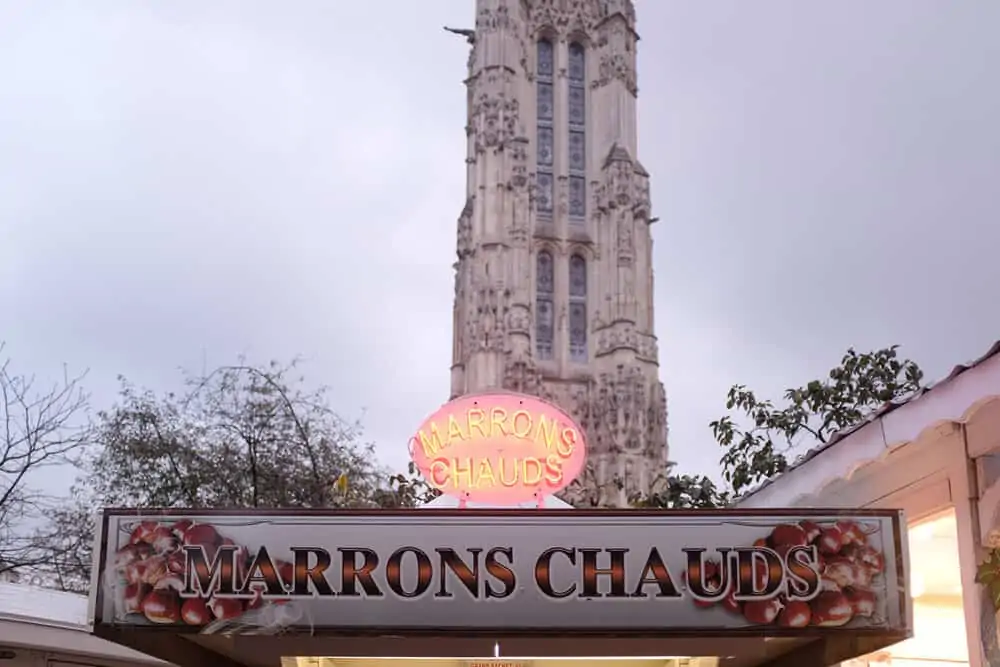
column 566, row 15
column 465, row 246
column 620, row 410
column 496, row 120
column 625, row 336
column 519, row 319
column 494, row 20
column 642, row 205
column 616, row 61
column 519, row 229
column 487, row 322
column 626, row 239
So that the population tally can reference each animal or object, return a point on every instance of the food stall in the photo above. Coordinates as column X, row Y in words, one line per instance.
column 937, row 457
column 492, row 587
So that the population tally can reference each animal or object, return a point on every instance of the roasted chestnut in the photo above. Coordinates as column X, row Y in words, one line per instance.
column 788, row 535
column 142, row 531
column 851, row 533
column 194, row 611
column 761, row 612
column 169, row 581
column 162, row 539
column 729, row 603
column 176, row 562
column 830, row 541
column 147, row 571
column 831, row 609
column 846, row 573
column 133, row 596
column 873, row 558
column 131, row 553
column 225, row 608
column 795, row 614
column 202, row 534
column 180, row 527
column 862, row 601
column 812, row 530
column 162, row 606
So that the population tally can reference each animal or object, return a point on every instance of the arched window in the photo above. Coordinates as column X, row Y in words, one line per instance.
column 543, row 128
column 577, row 308
column 544, row 307
column 577, row 139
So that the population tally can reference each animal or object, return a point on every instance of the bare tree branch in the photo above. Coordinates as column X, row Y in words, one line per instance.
column 41, row 428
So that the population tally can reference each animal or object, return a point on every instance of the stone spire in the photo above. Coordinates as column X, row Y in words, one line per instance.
column 554, row 278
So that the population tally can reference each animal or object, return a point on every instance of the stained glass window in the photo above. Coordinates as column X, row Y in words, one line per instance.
column 577, row 139
column 577, row 69
column 544, row 315
column 545, row 59
column 545, row 150
column 577, row 308
column 544, row 138
column 544, row 195
column 577, row 197
column 577, row 113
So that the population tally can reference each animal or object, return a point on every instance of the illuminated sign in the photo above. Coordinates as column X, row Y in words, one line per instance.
column 500, row 449
column 256, row 573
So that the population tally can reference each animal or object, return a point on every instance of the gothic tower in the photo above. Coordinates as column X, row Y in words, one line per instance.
column 554, row 278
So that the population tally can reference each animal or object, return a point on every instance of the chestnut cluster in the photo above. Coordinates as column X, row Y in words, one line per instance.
column 151, row 570
column 848, row 568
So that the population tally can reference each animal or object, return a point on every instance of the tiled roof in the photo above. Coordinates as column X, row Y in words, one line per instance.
column 878, row 414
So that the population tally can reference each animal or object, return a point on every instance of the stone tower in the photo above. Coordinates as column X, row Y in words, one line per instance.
column 554, row 278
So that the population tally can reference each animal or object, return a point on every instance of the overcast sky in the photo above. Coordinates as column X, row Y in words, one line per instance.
column 185, row 181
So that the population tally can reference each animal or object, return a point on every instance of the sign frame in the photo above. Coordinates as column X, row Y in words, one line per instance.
column 102, row 626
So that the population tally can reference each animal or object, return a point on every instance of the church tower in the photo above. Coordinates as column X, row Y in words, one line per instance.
column 554, row 278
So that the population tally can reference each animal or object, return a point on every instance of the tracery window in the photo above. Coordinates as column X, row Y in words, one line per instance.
column 577, row 308
column 544, row 316
column 577, row 139
column 545, row 138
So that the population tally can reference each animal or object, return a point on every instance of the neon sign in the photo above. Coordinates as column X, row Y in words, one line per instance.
column 500, row 449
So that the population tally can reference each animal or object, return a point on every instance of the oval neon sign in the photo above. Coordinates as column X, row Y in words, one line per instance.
column 499, row 449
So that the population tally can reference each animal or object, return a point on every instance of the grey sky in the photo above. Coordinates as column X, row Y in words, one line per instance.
column 185, row 181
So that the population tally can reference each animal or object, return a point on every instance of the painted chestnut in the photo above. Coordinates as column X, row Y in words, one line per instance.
column 141, row 531
column 194, row 611
column 811, row 529
column 795, row 614
column 169, row 581
column 873, row 558
column 788, row 535
column 851, row 533
column 133, row 596
column 162, row 606
column 827, row 584
column 830, row 541
column 176, row 562
column 225, row 608
column 146, row 571
column 831, row 609
column 162, row 539
column 862, row 601
column 848, row 573
column 730, row 604
column 180, row 527
column 202, row 534
column 762, row 612
column 205, row 536
column 131, row 553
